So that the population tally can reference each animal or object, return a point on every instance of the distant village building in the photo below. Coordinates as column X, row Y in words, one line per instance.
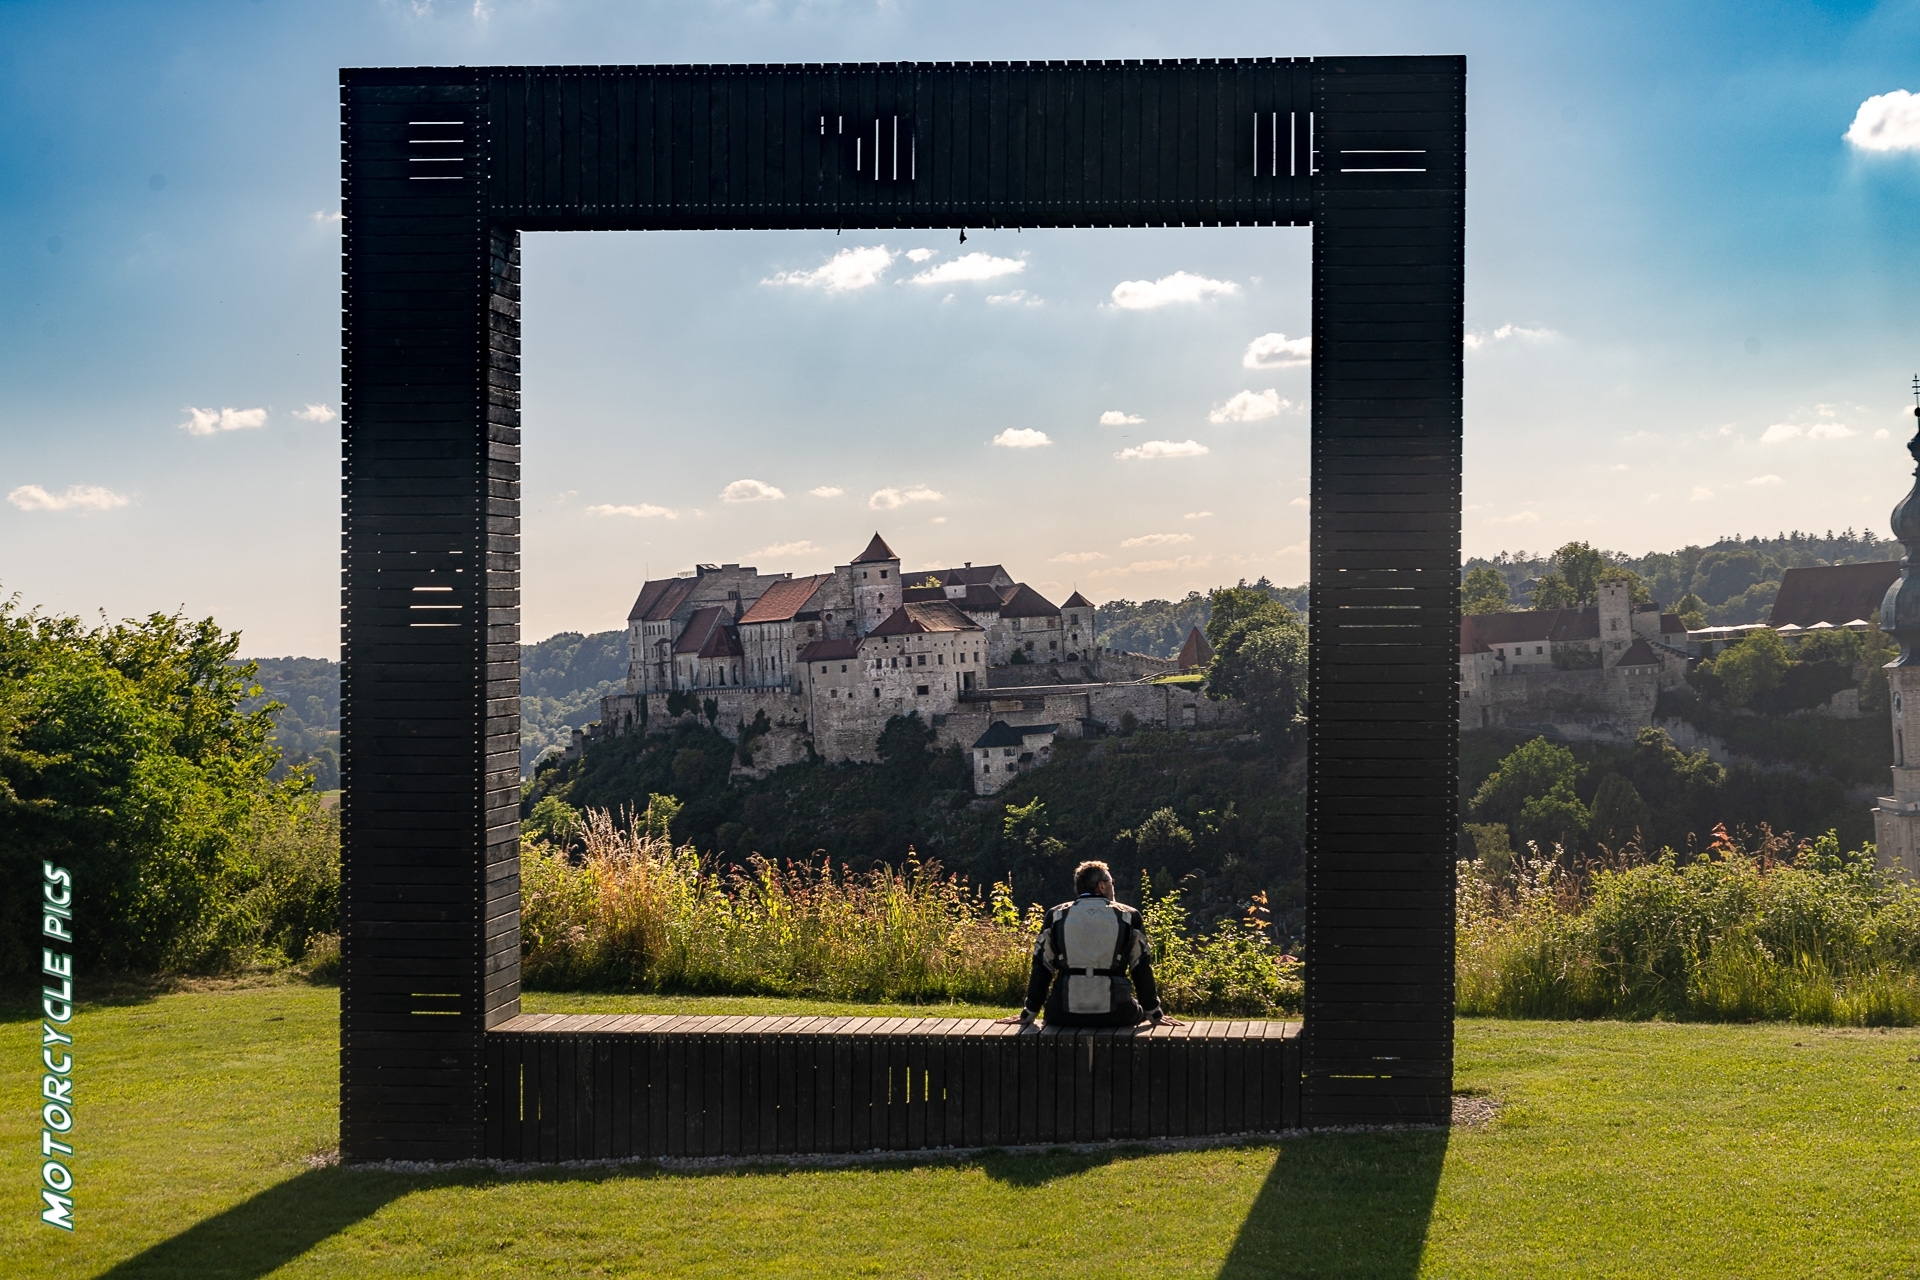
column 1595, row 672
column 825, row 660
column 1003, row 753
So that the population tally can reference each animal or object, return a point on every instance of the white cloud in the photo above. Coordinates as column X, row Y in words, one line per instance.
column 1518, row 517
column 1115, row 418
column 78, row 497
column 206, row 422
column 1769, row 479
column 1301, row 502
column 1198, row 515
column 1163, row 449
column 783, row 549
column 750, row 491
column 921, row 255
column 1474, row 341
column 644, row 511
column 1881, row 434
column 1181, row 286
column 323, row 217
column 892, row 499
column 938, row 520
column 1886, row 122
column 1780, row 432
column 1018, row 298
column 970, row 267
column 1077, row 557
column 827, row 491
column 847, row 269
column 1277, row 351
column 315, row 413
column 1021, row 438
column 1157, row 539
column 1700, row 494
column 1250, row 406
column 1155, row 566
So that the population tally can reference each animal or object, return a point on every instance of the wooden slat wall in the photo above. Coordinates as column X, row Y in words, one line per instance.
column 441, row 170
column 608, row 1088
column 1388, row 263
column 429, row 613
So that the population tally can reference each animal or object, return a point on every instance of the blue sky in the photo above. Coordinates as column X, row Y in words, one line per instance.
column 1690, row 300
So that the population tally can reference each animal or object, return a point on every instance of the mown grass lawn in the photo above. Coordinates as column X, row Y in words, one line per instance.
column 1620, row 1150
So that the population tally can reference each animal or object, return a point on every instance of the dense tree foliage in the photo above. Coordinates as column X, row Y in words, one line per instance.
column 562, row 680
column 1260, row 657
column 1484, row 590
column 127, row 756
column 1159, row 627
column 1732, row 581
column 306, row 728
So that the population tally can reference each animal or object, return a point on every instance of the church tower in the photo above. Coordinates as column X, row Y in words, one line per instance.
column 876, row 585
column 1896, row 822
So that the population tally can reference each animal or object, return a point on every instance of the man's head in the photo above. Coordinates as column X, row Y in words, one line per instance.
column 1093, row 877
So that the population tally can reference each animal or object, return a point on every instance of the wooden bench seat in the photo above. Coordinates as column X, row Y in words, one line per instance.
column 595, row 1087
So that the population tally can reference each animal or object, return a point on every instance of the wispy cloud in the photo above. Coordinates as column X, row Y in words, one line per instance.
column 640, row 511
column 750, row 491
column 1700, row 494
column 1115, row 418
column 323, row 217
column 1765, row 480
column 1300, row 502
column 1198, row 515
column 1886, row 122
column 921, row 255
column 827, row 491
column 969, row 267
column 1077, row 557
column 1277, row 351
column 780, row 550
column 847, row 269
column 1021, row 438
column 893, row 499
column 1250, row 406
column 1163, row 449
column 1474, row 341
column 1154, row 566
column 1780, row 432
column 1181, row 286
column 1018, row 298
column 207, row 422
column 315, row 413
column 1518, row 517
column 1157, row 539
column 78, row 497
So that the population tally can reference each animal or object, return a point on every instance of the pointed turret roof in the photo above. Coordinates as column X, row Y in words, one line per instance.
column 877, row 550
column 1077, row 601
column 1196, row 652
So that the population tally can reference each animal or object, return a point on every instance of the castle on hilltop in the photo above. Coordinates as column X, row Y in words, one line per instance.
column 820, row 663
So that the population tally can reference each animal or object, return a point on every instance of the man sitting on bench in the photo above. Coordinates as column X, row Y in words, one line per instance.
column 1085, row 953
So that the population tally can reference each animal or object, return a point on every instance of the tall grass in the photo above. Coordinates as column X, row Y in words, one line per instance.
column 627, row 909
column 1764, row 932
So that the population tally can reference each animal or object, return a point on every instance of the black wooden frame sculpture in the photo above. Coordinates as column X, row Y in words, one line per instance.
column 441, row 171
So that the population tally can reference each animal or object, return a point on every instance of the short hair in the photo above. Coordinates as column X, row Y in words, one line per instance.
column 1088, row 875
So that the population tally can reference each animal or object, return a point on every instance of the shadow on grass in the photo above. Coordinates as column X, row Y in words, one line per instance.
column 1342, row 1204
column 260, row 1235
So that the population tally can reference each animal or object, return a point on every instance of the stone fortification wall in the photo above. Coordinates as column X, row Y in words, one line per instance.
column 1611, row 704
column 1083, row 709
column 620, row 712
column 1115, row 666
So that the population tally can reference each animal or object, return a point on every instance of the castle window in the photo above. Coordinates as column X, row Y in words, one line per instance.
column 923, row 659
column 876, row 693
column 883, row 573
column 1538, row 649
column 843, row 668
column 920, row 690
column 943, row 659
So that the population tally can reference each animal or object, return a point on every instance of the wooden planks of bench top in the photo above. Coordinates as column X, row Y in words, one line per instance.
column 613, row 1086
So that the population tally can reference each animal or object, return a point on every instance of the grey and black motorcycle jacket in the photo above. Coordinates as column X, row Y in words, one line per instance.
column 1092, row 966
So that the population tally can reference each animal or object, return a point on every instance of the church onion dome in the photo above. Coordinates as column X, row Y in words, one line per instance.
column 877, row 552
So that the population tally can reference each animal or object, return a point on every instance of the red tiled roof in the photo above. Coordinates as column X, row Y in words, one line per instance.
column 659, row 598
column 877, row 550
column 1639, row 654
column 693, row 638
column 1196, row 652
column 1022, row 601
column 722, row 642
column 823, row 650
column 782, row 600
column 1836, row 593
column 920, row 618
column 1537, row 624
